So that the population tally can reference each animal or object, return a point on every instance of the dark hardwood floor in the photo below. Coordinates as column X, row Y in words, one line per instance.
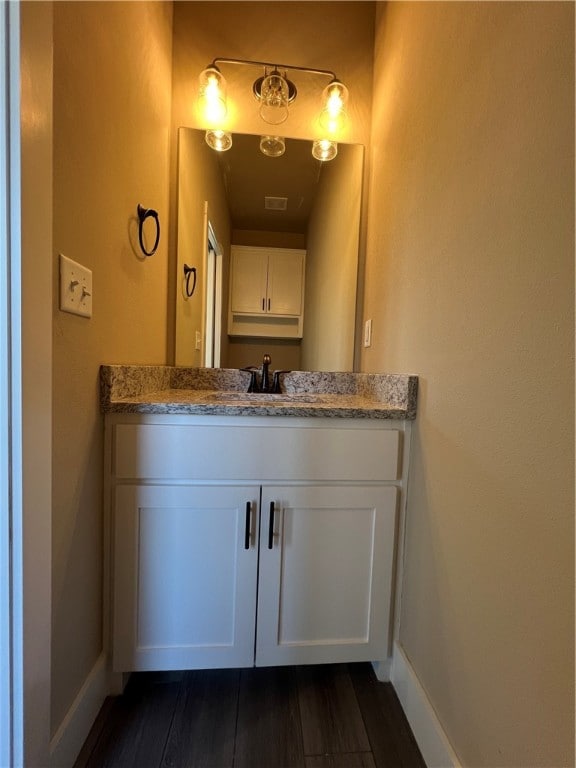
column 328, row 716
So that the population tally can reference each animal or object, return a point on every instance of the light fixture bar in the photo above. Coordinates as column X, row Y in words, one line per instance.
column 247, row 62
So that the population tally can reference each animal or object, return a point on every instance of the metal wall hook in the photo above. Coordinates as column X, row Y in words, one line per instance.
column 187, row 272
column 143, row 214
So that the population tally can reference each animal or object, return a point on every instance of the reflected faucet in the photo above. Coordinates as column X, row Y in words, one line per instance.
column 264, row 385
column 265, row 379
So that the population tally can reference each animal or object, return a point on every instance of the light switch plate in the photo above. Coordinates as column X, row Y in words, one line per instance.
column 75, row 287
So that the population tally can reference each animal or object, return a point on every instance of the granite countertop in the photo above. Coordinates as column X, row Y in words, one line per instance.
column 223, row 391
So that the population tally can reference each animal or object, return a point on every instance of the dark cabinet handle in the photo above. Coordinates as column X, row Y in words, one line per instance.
column 271, row 526
column 268, row 305
column 247, row 529
column 263, row 304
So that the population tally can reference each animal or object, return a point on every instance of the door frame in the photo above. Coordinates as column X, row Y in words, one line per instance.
column 213, row 308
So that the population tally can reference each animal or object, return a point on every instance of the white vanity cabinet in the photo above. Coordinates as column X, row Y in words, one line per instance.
column 251, row 540
column 266, row 291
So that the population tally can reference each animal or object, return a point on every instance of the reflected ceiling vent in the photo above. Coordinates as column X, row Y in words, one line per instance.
column 275, row 203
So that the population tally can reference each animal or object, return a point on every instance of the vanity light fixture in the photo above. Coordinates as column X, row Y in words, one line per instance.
column 275, row 92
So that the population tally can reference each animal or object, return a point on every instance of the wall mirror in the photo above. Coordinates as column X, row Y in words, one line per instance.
column 222, row 202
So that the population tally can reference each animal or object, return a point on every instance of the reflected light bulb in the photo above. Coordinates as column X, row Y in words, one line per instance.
column 324, row 149
column 272, row 146
column 220, row 141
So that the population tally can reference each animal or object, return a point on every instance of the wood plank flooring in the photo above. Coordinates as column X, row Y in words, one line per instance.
column 326, row 716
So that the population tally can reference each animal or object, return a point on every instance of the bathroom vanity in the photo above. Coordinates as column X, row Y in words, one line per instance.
column 248, row 529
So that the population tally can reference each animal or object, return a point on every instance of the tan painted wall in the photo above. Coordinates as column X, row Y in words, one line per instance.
column 332, row 265
column 199, row 182
column 469, row 281
column 112, row 86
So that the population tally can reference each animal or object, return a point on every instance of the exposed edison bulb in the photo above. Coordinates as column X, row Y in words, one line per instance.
column 324, row 149
column 212, row 96
column 274, row 94
column 333, row 115
column 220, row 141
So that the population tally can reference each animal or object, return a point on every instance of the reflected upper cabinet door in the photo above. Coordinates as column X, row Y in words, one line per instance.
column 285, row 282
column 249, row 280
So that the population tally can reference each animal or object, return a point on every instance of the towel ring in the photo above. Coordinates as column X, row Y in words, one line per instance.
column 143, row 214
column 187, row 272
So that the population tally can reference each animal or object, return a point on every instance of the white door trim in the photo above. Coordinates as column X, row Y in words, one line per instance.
column 11, row 673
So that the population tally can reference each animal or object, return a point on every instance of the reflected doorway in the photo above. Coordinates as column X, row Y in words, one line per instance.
column 213, row 313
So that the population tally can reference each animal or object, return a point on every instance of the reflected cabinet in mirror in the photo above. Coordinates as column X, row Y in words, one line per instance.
column 268, row 209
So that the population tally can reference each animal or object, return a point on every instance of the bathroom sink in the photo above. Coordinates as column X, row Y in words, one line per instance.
column 269, row 397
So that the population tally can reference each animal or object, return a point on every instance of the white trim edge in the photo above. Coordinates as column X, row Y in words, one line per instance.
column 75, row 727
column 382, row 670
column 427, row 729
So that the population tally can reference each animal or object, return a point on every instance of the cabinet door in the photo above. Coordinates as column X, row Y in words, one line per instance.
column 249, row 278
column 184, row 581
column 325, row 583
column 285, row 281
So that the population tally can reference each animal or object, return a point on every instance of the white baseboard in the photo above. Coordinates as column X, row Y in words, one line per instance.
column 71, row 735
column 426, row 727
column 382, row 670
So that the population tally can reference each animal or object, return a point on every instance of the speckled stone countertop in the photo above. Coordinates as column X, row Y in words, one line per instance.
column 223, row 391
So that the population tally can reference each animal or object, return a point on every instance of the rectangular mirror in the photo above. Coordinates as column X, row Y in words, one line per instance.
column 313, row 206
